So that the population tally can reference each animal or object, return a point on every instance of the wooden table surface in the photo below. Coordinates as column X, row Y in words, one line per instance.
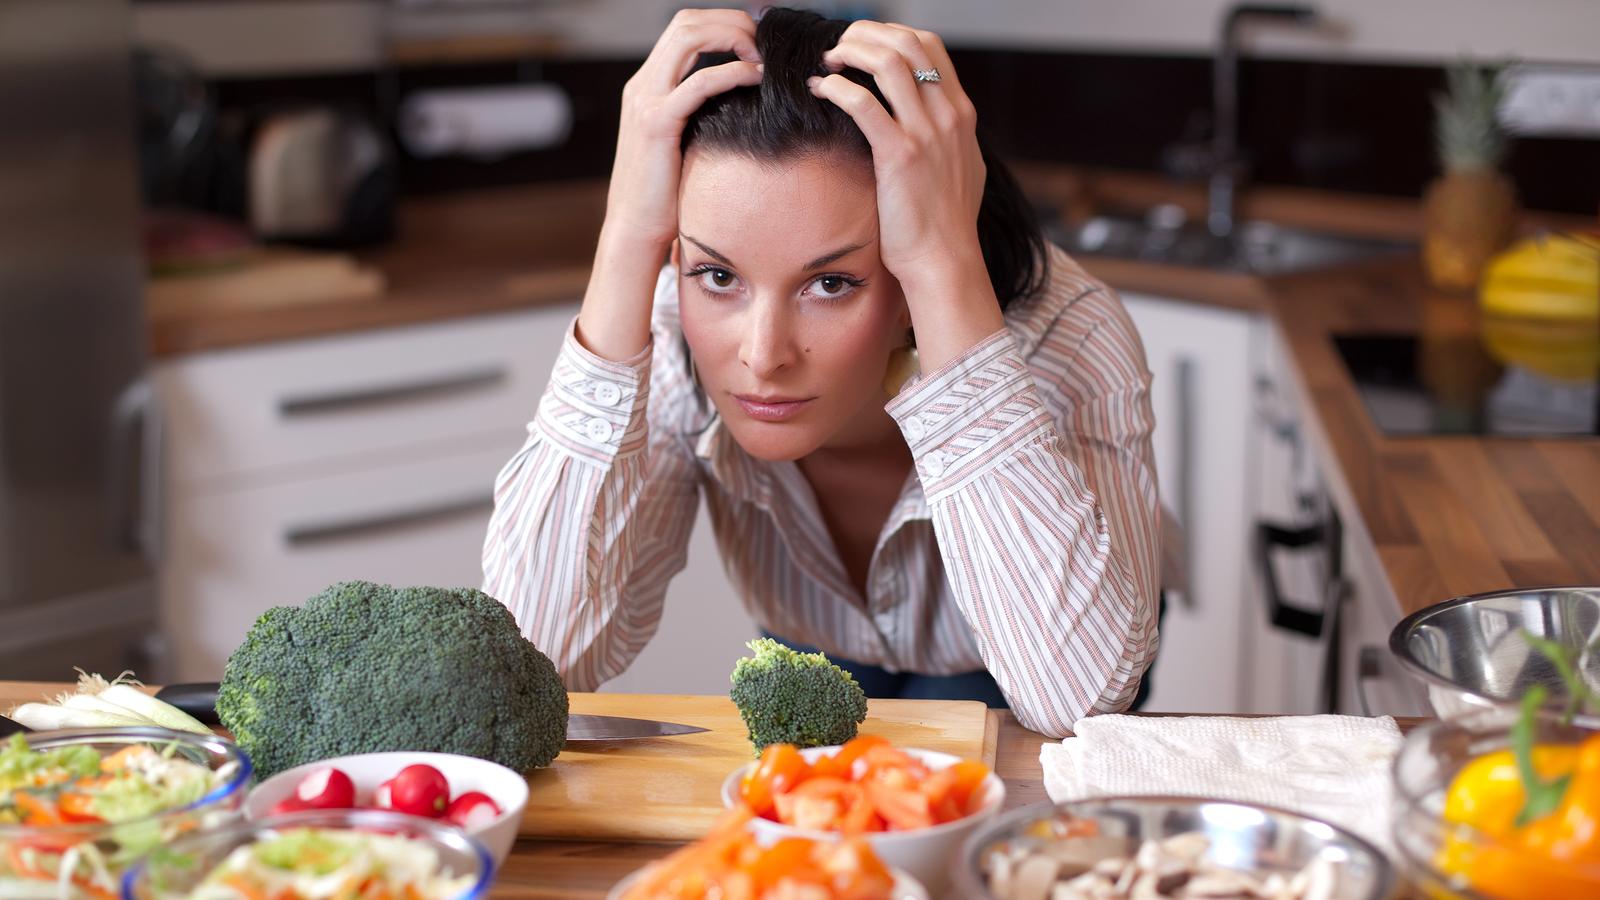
column 586, row 870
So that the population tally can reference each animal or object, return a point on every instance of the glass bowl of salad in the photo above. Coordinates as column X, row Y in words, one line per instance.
column 1465, row 825
column 78, row 807
column 318, row 855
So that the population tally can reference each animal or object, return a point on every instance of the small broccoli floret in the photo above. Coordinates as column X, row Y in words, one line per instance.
column 365, row 667
column 787, row 697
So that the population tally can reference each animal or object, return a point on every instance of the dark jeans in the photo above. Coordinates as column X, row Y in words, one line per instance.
column 980, row 685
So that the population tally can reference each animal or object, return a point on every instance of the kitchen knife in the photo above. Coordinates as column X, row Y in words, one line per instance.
column 9, row 727
column 199, row 699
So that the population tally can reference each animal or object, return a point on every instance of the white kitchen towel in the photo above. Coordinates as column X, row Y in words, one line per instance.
column 1331, row 767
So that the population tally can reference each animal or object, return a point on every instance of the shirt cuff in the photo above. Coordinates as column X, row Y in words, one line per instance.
column 962, row 418
column 595, row 407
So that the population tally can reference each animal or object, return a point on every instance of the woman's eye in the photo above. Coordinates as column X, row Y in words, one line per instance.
column 833, row 286
column 716, row 279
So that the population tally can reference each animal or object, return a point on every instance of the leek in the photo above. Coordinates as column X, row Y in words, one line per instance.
column 99, row 703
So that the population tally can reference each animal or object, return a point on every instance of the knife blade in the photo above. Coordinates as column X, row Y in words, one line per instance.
column 199, row 699
column 584, row 727
column 9, row 727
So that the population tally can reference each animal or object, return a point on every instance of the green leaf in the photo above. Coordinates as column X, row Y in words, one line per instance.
column 1565, row 661
column 1543, row 797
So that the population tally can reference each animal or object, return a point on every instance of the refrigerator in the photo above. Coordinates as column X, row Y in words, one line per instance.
column 79, row 438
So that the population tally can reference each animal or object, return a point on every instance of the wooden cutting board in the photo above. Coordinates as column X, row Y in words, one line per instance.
column 669, row 789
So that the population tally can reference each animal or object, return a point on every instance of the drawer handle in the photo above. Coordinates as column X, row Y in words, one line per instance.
column 332, row 532
column 1282, row 612
column 1369, row 665
column 342, row 401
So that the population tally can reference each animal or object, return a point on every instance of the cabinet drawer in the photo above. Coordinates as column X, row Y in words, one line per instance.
column 253, row 410
column 231, row 555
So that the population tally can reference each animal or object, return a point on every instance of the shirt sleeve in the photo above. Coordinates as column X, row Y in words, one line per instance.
column 1042, row 489
column 592, row 517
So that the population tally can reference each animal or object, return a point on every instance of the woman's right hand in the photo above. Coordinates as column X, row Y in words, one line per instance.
column 642, row 203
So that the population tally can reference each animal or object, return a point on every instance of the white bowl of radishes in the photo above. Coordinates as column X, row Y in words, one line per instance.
column 482, row 798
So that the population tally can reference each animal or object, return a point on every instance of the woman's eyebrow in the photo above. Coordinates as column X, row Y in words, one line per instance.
column 707, row 250
column 826, row 258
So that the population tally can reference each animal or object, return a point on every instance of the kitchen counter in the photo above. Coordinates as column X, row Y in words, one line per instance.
column 585, row 870
column 1447, row 515
column 457, row 255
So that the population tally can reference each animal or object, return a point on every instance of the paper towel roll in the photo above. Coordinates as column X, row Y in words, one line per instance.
column 485, row 122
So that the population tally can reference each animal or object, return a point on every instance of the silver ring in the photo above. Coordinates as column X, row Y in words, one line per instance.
column 926, row 76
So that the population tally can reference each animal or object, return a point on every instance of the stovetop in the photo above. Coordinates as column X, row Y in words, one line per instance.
column 1412, row 386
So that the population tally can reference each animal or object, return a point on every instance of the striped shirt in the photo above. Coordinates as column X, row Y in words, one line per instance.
column 1026, row 539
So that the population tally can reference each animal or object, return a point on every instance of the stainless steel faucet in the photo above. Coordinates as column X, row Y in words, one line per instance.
column 1226, row 167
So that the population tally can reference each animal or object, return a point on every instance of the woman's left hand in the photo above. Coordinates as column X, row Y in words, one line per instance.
column 930, row 175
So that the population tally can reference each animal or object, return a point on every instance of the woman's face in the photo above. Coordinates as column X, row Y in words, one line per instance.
column 787, row 308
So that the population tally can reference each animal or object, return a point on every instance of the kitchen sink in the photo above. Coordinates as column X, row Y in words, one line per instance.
column 1166, row 235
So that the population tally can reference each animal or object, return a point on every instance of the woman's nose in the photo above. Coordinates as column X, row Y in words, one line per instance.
column 768, row 344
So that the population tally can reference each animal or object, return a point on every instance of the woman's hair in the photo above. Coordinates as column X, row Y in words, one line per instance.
column 781, row 119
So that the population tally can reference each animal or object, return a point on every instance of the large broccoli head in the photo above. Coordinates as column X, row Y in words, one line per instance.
column 365, row 667
column 787, row 697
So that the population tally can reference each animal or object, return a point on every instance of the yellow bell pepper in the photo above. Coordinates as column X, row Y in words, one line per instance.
column 1552, row 858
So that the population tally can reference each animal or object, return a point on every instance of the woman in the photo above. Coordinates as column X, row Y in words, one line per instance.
column 987, row 528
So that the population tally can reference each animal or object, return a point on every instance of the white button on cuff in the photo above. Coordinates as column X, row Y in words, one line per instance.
column 915, row 429
column 599, row 431
column 607, row 394
column 934, row 465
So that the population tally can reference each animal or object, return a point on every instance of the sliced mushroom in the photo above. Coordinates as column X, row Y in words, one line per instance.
column 1035, row 876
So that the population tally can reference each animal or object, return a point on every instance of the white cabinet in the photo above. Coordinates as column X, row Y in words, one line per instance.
column 1199, row 357
column 1239, row 459
column 232, row 554
column 1297, row 490
column 372, row 456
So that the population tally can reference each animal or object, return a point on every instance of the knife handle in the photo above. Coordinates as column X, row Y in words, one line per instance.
column 197, row 698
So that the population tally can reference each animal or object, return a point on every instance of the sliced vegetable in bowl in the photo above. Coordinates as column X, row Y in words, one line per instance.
column 318, row 855
column 730, row 862
column 914, row 807
column 77, row 807
column 865, row 786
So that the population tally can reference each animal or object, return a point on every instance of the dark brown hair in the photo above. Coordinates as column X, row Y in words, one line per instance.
column 780, row 119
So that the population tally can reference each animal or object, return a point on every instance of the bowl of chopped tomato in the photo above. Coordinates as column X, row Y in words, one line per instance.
column 913, row 807
column 732, row 862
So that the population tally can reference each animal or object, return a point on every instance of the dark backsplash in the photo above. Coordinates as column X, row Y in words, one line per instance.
column 1337, row 126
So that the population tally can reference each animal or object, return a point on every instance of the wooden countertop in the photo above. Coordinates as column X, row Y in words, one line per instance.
column 586, row 870
column 1446, row 515
column 460, row 254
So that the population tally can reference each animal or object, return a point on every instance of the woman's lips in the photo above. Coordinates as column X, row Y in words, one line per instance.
column 771, row 409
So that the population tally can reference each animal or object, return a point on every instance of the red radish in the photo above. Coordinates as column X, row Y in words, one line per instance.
column 326, row 788
column 471, row 810
column 289, row 804
column 420, row 790
column 381, row 798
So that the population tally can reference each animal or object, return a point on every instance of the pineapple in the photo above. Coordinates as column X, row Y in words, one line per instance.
column 1466, row 126
column 1470, row 211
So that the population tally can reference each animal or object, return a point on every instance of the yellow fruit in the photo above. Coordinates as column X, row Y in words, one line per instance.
column 1549, row 277
column 1562, row 349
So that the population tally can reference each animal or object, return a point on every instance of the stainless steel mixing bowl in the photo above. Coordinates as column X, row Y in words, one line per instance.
column 1243, row 836
column 1471, row 653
